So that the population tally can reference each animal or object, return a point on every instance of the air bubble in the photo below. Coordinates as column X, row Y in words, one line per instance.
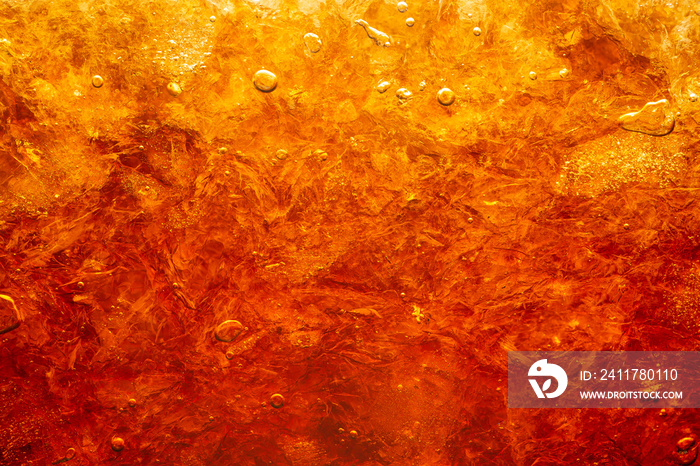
column 282, row 154
column 277, row 400
column 383, row 86
column 265, row 81
column 70, row 453
column 693, row 97
column 174, row 89
column 97, row 81
column 403, row 93
column 353, row 434
column 402, row 7
column 445, row 96
column 212, row 18
column 422, row 86
column 313, row 42
column 117, row 443
column 132, row 402
column 533, row 75
column 410, row 22
column 476, row 31
column 227, row 331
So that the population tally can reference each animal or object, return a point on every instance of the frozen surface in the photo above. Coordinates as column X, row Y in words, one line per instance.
column 207, row 264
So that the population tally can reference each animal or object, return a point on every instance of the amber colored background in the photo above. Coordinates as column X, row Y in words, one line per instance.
column 383, row 265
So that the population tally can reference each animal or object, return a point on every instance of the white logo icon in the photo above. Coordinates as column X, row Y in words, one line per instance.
column 542, row 369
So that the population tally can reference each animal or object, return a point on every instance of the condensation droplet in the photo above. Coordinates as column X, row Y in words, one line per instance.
column 174, row 89
column 402, row 7
column 410, row 22
column 277, row 400
column 97, row 81
column 655, row 119
column 445, row 96
column 564, row 73
column 477, row 31
column 313, row 42
column 383, row 86
column 117, row 443
column 533, row 75
column 228, row 330
column 379, row 37
column 353, row 434
column 70, row 453
column 403, row 93
column 265, row 81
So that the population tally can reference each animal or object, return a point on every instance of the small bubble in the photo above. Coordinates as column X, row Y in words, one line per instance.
column 402, row 7
column 228, row 330
column 117, row 443
column 403, row 93
column 277, row 400
column 263, row 404
column 410, row 22
column 564, row 73
column 533, row 75
column 222, row 150
column 282, row 154
column 211, row 418
column 174, row 89
column 693, row 97
column 229, row 355
column 132, row 402
column 176, row 285
column 445, row 96
column 141, row 148
column 70, row 453
column 212, row 19
column 400, row 387
column 313, row 42
column 383, row 86
column 626, row 226
column 422, row 86
column 97, row 81
column 81, row 285
column 470, row 220
column 477, row 31
column 265, row 81
column 353, row 434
